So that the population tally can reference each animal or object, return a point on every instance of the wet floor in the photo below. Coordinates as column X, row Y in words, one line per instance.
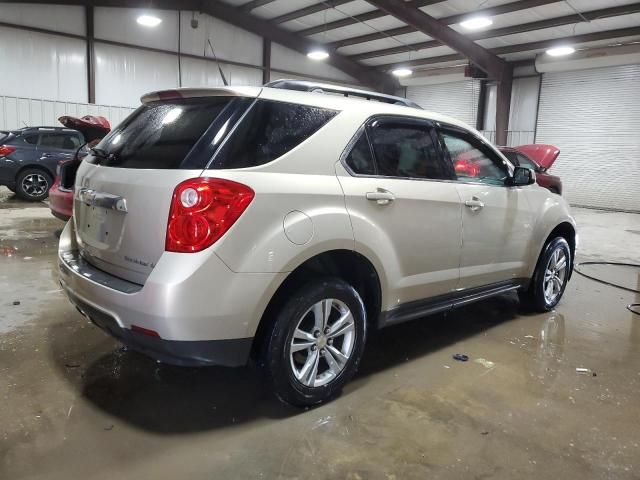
column 76, row 405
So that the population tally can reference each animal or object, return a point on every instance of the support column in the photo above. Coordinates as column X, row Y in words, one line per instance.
column 91, row 55
column 503, row 104
column 266, row 61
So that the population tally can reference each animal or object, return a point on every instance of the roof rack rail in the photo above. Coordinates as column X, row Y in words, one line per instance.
column 305, row 86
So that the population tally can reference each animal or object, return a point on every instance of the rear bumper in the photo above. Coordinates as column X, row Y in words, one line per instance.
column 192, row 310
column 60, row 202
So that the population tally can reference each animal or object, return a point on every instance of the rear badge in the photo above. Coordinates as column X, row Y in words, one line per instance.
column 139, row 262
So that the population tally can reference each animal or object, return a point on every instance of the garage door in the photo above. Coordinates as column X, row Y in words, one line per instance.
column 457, row 99
column 593, row 116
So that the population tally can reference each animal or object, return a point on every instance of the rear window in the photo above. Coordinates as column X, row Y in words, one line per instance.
column 268, row 131
column 159, row 135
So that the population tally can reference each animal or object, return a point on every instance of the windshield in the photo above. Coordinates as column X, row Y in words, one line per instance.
column 159, row 135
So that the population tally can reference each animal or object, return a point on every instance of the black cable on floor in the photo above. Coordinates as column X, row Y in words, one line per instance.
column 633, row 307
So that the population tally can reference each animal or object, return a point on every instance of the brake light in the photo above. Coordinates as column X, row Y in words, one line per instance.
column 6, row 150
column 202, row 210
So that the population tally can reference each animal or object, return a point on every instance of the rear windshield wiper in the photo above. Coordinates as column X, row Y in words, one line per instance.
column 101, row 153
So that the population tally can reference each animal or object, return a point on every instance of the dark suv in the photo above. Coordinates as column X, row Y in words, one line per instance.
column 29, row 156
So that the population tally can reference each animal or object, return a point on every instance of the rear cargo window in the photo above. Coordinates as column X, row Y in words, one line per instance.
column 159, row 135
column 268, row 131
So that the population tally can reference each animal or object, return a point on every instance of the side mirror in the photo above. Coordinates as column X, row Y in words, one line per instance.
column 522, row 176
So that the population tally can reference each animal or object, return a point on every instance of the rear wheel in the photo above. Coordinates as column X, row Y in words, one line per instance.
column 316, row 343
column 33, row 184
column 550, row 278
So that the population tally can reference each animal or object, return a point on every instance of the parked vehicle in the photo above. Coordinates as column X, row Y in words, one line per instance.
column 539, row 158
column 29, row 156
column 281, row 224
column 93, row 129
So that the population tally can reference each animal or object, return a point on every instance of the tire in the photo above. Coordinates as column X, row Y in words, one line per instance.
column 33, row 184
column 549, row 281
column 291, row 375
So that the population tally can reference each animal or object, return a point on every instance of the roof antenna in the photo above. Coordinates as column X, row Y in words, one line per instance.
column 224, row 79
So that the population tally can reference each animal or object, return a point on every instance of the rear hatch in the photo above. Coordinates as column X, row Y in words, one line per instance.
column 543, row 155
column 124, row 187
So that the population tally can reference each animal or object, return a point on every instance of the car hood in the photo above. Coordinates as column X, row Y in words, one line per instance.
column 543, row 155
column 92, row 127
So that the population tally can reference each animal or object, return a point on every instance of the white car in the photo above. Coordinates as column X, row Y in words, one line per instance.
column 281, row 223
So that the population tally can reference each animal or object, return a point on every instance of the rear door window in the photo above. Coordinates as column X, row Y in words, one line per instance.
column 160, row 135
column 268, row 131
column 62, row 141
column 407, row 150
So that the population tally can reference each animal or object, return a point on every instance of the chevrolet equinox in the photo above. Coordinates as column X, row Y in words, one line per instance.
column 279, row 224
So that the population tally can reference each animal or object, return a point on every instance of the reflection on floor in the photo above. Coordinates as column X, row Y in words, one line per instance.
column 77, row 405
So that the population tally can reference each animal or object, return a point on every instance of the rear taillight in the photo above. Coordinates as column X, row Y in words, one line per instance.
column 202, row 210
column 6, row 150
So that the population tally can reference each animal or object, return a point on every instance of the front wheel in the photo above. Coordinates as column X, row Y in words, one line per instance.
column 316, row 343
column 550, row 278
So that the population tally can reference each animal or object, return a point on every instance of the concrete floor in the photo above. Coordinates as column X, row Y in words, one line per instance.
column 75, row 405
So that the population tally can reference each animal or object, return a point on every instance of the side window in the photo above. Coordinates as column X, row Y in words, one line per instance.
column 268, row 131
column 29, row 139
column 59, row 140
column 512, row 156
column 360, row 160
column 526, row 162
column 407, row 151
column 472, row 161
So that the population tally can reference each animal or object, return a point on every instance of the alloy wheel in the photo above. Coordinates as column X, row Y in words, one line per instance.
column 34, row 185
column 322, row 342
column 554, row 275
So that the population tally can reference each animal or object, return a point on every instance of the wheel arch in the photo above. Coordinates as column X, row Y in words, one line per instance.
column 567, row 231
column 348, row 265
column 35, row 166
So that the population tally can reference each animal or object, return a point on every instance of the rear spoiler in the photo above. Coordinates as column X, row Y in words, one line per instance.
column 201, row 92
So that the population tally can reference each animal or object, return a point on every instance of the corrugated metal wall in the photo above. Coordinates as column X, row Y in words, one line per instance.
column 46, row 66
column 457, row 99
column 18, row 112
column 593, row 116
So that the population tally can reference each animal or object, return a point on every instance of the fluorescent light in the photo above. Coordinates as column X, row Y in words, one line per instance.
column 318, row 54
column 476, row 23
column 149, row 20
column 560, row 51
column 402, row 72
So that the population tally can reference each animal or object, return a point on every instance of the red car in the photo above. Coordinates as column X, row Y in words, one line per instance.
column 538, row 158
column 61, row 193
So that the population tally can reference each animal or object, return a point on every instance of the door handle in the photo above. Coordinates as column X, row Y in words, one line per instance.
column 474, row 204
column 381, row 197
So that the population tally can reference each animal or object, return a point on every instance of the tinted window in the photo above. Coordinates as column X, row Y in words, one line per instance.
column 360, row 160
column 472, row 161
column 159, row 135
column 28, row 139
column 526, row 162
column 268, row 131
column 512, row 156
column 407, row 151
column 59, row 140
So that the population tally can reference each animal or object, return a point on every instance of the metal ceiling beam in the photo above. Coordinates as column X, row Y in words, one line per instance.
column 450, row 20
column 522, row 28
column 247, row 7
column 487, row 61
column 524, row 47
column 303, row 12
column 229, row 14
column 363, row 17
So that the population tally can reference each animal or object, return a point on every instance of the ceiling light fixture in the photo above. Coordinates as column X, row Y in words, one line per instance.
column 149, row 20
column 560, row 51
column 318, row 54
column 476, row 23
column 402, row 72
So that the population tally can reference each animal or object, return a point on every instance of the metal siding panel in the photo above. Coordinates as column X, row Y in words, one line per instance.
column 593, row 116
column 457, row 99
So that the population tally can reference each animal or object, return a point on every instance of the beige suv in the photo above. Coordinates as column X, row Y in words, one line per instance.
column 280, row 224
